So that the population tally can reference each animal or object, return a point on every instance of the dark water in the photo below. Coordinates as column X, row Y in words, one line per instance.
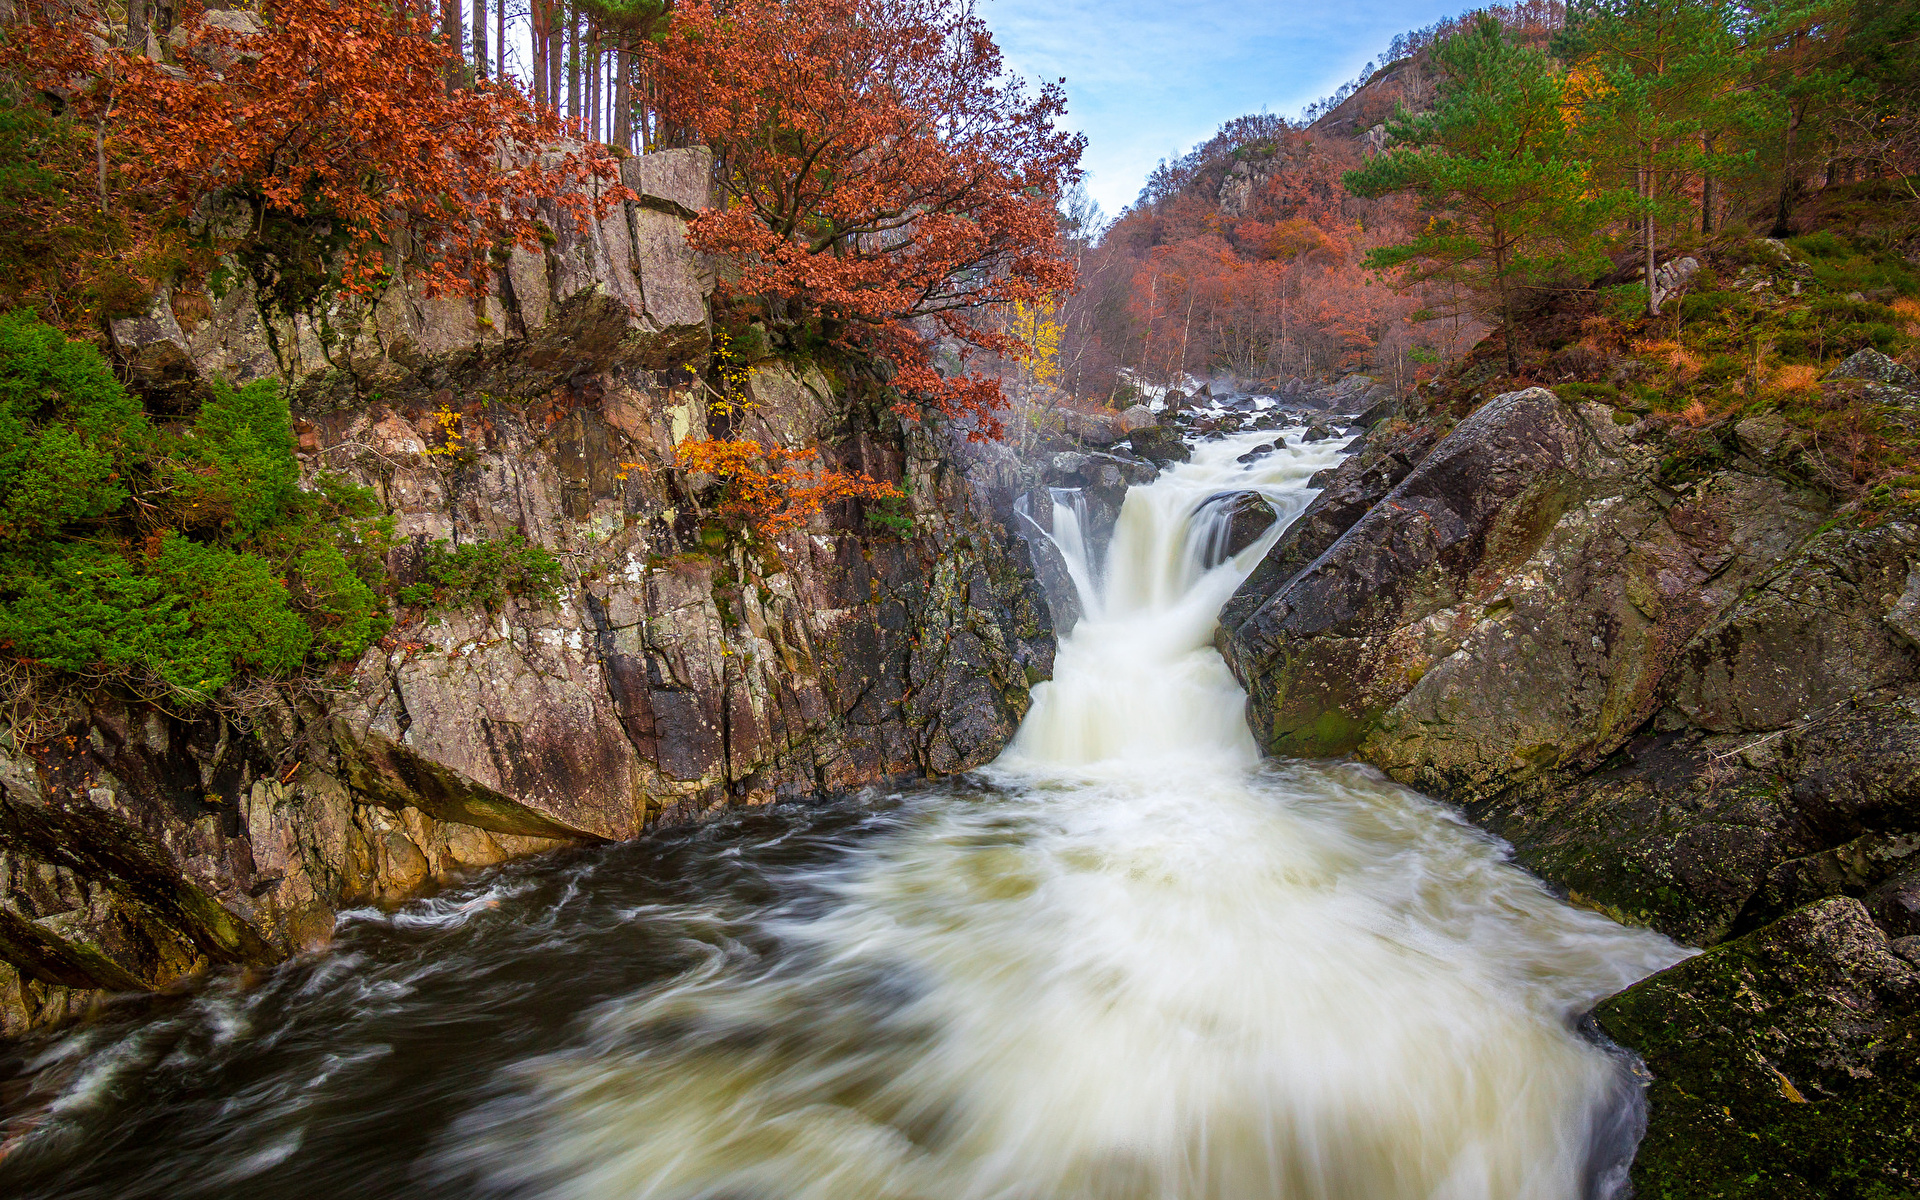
column 335, row 1076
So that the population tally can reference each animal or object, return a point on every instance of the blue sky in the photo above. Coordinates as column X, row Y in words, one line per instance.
column 1147, row 81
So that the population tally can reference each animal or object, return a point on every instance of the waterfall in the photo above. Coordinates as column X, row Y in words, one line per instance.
column 1129, row 961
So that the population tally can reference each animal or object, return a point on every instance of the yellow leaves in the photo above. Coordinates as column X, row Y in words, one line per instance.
column 1039, row 331
column 453, row 440
column 1582, row 86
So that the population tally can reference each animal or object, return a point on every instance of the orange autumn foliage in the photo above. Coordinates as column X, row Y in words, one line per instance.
column 772, row 488
column 338, row 117
column 884, row 179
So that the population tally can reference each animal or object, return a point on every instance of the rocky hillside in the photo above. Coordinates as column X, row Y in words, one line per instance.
column 1672, row 657
column 681, row 666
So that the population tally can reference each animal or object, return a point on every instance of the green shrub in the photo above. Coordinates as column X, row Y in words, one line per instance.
column 130, row 553
column 1722, row 367
column 1625, row 303
column 1821, row 244
column 484, row 574
column 238, row 464
column 891, row 516
column 68, row 430
column 1699, row 306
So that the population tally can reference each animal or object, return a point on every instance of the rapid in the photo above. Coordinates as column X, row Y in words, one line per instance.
column 1130, row 960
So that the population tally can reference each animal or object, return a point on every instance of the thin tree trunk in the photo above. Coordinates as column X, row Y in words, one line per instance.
column 1709, row 187
column 451, row 13
column 1788, row 178
column 556, row 51
column 480, row 38
column 1506, row 308
column 500, row 34
column 137, row 26
column 623, row 94
column 593, row 82
column 573, row 62
column 1647, row 237
column 536, row 37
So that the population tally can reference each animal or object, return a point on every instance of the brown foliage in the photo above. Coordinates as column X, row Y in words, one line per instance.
column 336, row 117
column 885, row 181
column 771, row 488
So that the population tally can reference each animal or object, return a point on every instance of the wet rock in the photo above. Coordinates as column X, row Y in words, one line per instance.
column 1750, row 669
column 1244, row 517
column 1317, row 656
column 1159, row 445
column 1383, row 403
column 1347, row 492
column 1317, row 431
column 1786, row 1063
column 1895, row 904
column 1256, row 454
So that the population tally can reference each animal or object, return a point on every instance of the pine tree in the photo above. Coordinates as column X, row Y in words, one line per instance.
column 1510, row 209
column 1653, row 82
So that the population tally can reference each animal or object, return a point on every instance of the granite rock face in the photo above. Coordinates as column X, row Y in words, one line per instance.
column 682, row 668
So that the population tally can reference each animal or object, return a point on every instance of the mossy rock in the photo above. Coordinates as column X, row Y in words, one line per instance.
column 1785, row 1064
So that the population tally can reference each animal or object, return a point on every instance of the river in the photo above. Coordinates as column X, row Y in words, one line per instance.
column 1128, row 961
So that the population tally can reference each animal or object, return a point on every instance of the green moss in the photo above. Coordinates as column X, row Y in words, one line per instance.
column 1776, row 1071
column 1599, row 393
column 1330, row 734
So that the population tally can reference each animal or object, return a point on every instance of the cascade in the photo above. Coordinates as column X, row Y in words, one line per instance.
column 1129, row 961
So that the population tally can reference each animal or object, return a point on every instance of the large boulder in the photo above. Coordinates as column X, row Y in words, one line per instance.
column 1320, row 657
column 1240, row 519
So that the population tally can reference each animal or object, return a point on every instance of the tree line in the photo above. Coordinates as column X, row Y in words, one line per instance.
column 1501, row 154
column 1642, row 122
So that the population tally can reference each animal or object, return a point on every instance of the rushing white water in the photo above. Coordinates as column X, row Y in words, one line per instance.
column 1131, row 961
column 1143, row 966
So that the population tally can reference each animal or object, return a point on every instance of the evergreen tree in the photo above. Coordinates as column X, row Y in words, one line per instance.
column 1654, row 83
column 1511, row 209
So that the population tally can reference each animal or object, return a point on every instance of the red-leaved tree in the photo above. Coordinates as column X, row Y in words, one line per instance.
column 883, row 176
column 335, row 115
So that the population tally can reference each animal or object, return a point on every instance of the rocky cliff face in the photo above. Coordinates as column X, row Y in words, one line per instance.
column 681, row 668
column 1690, row 701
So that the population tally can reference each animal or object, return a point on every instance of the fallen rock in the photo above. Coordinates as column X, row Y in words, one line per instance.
column 1875, row 367
column 1139, row 416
